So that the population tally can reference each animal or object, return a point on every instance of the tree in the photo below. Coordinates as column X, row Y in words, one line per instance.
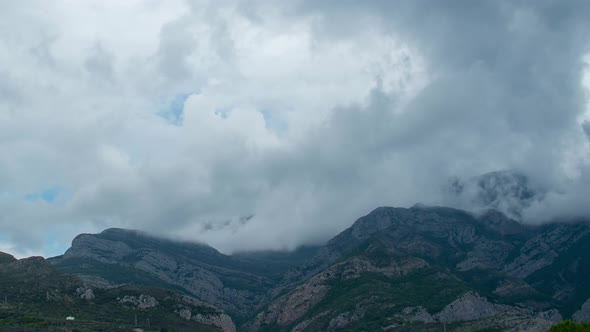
column 569, row 326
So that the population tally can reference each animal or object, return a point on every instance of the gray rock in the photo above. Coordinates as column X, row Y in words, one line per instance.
column 206, row 314
column 470, row 306
column 102, row 250
column 185, row 313
column 417, row 314
column 583, row 315
column 542, row 250
column 222, row 321
column 85, row 293
column 141, row 302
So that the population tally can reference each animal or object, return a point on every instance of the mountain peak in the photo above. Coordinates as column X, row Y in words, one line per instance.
column 116, row 230
column 6, row 258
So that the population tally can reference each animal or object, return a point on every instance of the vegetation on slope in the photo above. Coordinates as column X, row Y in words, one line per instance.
column 36, row 297
column 569, row 326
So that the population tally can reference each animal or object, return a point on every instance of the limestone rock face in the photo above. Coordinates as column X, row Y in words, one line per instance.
column 101, row 250
column 583, row 315
column 141, row 302
column 185, row 313
column 85, row 293
column 542, row 250
column 222, row 321
column 345, row 319
column 291, row 307
column 486, row 254
column 470, row 306
column 206, row 314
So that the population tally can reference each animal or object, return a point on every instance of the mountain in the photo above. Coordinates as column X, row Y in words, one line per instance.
column 396, row 269
column 237, row 284
column 37, row 297
column 415, row 269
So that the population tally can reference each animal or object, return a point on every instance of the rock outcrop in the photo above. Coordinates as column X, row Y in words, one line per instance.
column 140, row 302
column 206, row 314
column 583, row 315
column 542, row 249
column 85, row 293
column 470, row 306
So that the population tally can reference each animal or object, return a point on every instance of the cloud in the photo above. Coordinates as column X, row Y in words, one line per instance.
column 270, row 125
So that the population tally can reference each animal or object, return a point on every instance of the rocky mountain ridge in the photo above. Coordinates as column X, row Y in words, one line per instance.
column 394, row 269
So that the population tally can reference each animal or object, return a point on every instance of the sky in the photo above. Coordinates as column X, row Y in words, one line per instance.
column 252, row 125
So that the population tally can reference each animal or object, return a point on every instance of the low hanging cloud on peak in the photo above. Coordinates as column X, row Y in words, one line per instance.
column 266, row 125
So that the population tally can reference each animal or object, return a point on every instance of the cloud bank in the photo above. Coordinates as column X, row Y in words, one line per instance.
column 267, row 125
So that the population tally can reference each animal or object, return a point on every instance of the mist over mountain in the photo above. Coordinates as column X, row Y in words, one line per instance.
column 506, row 191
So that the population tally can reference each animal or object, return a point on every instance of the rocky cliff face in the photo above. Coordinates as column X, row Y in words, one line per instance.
column 428, row 232
column 470, row 306
column 293, row 306
column 473, row 310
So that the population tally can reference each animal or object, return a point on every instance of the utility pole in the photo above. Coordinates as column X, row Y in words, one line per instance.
column 147, row 322
column 5, row 300
column 135, row 320
column 445, row 326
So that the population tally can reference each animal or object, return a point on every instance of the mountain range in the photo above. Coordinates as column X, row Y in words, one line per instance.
column 395, row 269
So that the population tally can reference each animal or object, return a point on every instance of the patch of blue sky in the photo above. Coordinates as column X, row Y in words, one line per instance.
column 6, row 244
column 54, row 245
column 173, row 109
column 49, row 195
column 274, row 121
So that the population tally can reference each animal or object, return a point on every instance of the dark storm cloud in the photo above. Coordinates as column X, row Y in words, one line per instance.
column 380, row 103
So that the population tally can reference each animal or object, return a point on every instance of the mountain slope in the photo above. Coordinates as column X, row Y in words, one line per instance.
column 237, row 284
column 506, row 274
column 39, row 298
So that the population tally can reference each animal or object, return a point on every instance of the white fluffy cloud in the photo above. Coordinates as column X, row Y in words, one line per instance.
column 252, row 125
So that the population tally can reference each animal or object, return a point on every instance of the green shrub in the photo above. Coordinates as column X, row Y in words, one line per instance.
column 569, row 326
